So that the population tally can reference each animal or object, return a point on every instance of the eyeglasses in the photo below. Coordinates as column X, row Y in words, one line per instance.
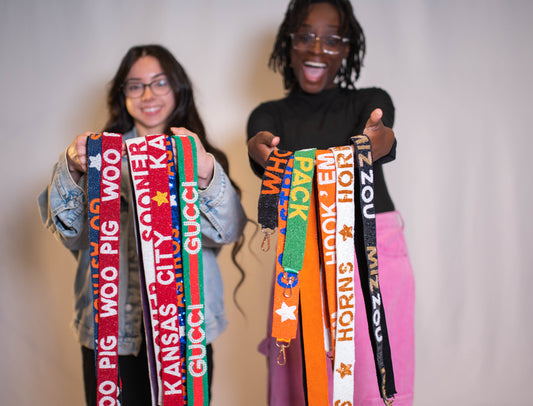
column 330, row 44
column 134, row 88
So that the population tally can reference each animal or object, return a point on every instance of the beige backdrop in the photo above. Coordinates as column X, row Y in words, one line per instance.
column 459, row 73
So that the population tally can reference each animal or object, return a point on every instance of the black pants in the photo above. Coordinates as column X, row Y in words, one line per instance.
column 133, row 374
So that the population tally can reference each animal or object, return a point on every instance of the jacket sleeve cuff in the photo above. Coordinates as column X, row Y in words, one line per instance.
column 215, row 190
column 67, row 189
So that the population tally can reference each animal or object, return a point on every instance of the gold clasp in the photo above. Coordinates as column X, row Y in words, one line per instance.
column 266, row 239
column 282, row 357
column 288, row 288
column 387, row 401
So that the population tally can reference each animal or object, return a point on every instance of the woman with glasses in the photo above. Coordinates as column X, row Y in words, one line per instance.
column 149, row 94
column 319, row 51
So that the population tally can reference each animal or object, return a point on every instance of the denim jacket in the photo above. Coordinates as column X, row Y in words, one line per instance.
column 63, row 206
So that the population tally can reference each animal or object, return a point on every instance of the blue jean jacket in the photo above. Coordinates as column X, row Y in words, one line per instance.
column 63, row 206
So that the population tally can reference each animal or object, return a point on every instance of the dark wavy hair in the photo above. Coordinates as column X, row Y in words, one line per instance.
column 185, row 114
column 280, row 59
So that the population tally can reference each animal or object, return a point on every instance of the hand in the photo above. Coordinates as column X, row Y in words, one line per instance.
column 381, row 137
column 77, row 156
column 261, row 145
column 204, row 161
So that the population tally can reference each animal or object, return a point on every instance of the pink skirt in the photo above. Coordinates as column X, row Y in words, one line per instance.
column 285, row 383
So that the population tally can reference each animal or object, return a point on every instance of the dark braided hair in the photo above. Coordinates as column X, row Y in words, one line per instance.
column 280, row 59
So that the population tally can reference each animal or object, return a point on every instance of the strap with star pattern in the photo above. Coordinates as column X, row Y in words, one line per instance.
column 167, row 308
column 285, row 301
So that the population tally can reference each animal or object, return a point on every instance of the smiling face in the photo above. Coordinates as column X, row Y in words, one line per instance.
column 314, row 69
column 150, row 112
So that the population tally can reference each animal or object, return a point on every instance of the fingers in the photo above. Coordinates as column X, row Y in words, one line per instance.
column 261, row 145
column 77, row 155
column 181, row 131
column 205, row 162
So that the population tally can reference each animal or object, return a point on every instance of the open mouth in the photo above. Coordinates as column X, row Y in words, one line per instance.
column 314, row 71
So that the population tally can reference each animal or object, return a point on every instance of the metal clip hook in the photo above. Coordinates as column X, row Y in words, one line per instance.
column 288, row 288
column 266, row 239
column 282, row 357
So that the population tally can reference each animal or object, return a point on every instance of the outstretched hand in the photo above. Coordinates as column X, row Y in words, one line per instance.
column 204, row 161
column 261, row 145
column 381, row 137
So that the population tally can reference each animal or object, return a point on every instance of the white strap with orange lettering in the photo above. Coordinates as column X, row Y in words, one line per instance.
column 343, row 383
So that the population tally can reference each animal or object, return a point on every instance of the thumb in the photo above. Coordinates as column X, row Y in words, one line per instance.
column 375, row 118
column 268, row 139
column 274, row 141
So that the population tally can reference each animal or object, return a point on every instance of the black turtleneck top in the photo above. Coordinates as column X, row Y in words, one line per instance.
column 323, row 120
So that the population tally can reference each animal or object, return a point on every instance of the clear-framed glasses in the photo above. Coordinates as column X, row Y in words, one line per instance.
column 134, row 88
column 330, row 44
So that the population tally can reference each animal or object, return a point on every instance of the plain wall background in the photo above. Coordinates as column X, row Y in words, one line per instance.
column 459, row 73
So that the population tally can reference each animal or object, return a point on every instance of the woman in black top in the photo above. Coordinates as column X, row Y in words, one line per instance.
column 319, row 51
